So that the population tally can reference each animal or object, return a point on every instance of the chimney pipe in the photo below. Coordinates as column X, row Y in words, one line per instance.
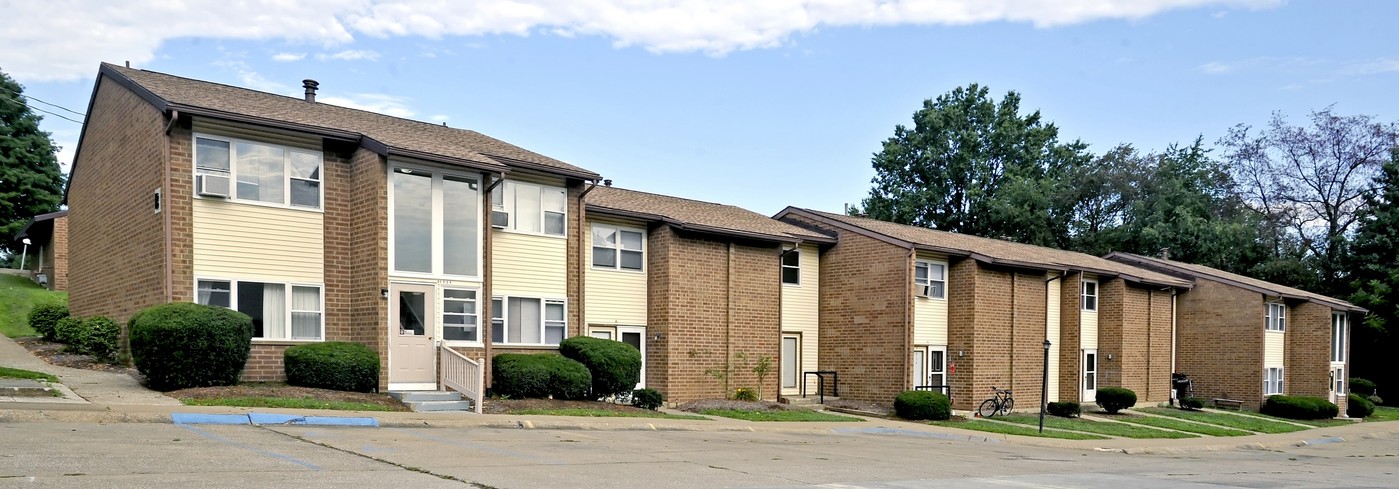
column 310, row 89
column 607, row 182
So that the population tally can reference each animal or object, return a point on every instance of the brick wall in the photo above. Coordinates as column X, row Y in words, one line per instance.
column 1159, row 345
column 1219, row 341
column 367, row 199
column 961, row 334
column 1070, row 338
column 999, row 325
column 56, row 256
column 1134, row 327
column 116, row 241
column 1307, row 352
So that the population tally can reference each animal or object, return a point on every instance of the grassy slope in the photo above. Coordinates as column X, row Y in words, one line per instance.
column 17, row 296
column 603, row 413
column 1099, row 427
column 1007, row 429
column 1250, row 423
column 790, row 415
column 1183, row 425
column 17, row 373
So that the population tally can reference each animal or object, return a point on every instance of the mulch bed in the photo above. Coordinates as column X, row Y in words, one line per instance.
column 729, row 404
column 510, row 406
column 862, row 406
column 53, row 353
column 278, row 389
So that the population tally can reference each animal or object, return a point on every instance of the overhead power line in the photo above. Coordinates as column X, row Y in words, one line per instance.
column 55, row 114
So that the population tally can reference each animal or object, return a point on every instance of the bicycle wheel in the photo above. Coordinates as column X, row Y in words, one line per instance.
column 1007, row 405
column 987, row 409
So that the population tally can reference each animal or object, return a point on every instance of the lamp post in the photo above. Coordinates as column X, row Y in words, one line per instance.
column 24, row 254
column 1044, row 386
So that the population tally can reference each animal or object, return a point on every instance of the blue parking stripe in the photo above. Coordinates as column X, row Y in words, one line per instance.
column 200, row 418
column 293, row 419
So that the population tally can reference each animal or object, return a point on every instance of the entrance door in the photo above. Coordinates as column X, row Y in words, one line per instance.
column 1090, row 376
column 936, row 359
column 412, row 353
column 635, row 336
column 1338, row 383
column 920, row 366
column 791, row 362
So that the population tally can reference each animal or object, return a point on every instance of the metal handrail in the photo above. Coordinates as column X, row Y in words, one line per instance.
column 821, row 383
column 464, row 375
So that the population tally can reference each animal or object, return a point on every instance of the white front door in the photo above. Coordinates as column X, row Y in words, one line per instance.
column 791, row 362
column 1090, row 376
column 937, row 357
column 920, row 366
column 1338, row 382
column 635, row 336
column 412, row 352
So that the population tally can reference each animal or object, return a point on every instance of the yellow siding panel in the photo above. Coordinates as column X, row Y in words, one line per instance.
column 1052, row 334
column 528, row 265
column 1273, row 342
column 614, row 297
column 800, row 306
column 930, row 315
column 236, row 240
column 1088, row 320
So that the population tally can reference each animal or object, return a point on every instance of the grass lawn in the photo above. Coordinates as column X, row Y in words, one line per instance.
column 1007, row 429
column 1182, row 425
column 16, row 373
column 1320, row 423
column 1384, row 413
column 1099, row 427
column 786, row 415
column 17, row 296
column 1250, row 423
column 286, row 402
column 604, row 413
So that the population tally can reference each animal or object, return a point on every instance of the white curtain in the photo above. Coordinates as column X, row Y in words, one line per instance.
column 274, row 311
column 524, row 321
column 306, row 313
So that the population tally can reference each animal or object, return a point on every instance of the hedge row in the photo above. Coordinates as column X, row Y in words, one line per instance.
column 1299, row 407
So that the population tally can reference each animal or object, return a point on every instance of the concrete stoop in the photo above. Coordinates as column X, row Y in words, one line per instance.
column 432, row 401
column 807, row 402
column 25, row 388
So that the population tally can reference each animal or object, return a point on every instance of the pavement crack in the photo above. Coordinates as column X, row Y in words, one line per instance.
column 409, row 468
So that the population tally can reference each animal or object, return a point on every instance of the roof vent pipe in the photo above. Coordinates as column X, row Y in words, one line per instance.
column 607, row 182
column 310, row 89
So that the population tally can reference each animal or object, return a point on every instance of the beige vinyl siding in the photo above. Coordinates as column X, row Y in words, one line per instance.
column 1052, row 332
column 800, row 305
column 1088, row 325
column 529, row 265
column 929, row 314
column 1273, row 342
column 257, row 242
column 613, row 296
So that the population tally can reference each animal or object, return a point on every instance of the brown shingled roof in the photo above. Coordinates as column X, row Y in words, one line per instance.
column 1200, row 271
column 994, row 250
column 697, row 215
column 398, row 133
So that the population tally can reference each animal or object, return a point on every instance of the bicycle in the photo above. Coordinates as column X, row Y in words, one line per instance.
column 1000, row 403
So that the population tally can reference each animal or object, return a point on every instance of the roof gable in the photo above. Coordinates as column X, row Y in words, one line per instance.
column 1195, row 271
column 697, row 215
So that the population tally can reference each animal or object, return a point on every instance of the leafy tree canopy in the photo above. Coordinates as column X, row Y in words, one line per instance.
column 30, row 181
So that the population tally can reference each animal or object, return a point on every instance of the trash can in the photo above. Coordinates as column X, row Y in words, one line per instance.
column 1180, row 387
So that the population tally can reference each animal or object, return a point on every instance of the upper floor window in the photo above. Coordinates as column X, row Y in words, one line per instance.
column 1338, row 337
column 259, row 172
column 618, row 248
column 276, row 314
column 527, row 321
column 930, row 279
column 530, row 208
column 792, row 267
column 434, row 222
column 1277, row 317
column 1090, row 295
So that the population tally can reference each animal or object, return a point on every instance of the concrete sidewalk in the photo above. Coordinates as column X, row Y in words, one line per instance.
column 90, row 386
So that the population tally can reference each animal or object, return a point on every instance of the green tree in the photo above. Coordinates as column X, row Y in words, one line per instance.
column 30, row 181
column 973, row 165
column 1374, row 268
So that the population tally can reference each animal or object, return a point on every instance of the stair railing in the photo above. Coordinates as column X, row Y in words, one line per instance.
column 464, row 375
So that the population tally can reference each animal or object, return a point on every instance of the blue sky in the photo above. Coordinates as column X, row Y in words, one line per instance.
column 758, row 106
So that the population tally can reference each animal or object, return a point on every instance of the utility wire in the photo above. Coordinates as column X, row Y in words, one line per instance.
column 55, row 114
column 11, row 90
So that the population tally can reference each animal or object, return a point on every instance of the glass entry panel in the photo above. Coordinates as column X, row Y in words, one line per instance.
column 636, row 337
column 1090, row 375
column 791, row 361
column 935, row 366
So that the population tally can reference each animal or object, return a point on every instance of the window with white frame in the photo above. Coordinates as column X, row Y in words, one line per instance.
column 434, row 222
column 528, row 321
column 618, row 248
column 1272, row 381
column 930, row 279
column 1277, row 317
column 262, row 172
column 1338, row 337
column 1090, row 295
column 459, row 315
column 531, row 208
column 280, row 311
column 792, row 267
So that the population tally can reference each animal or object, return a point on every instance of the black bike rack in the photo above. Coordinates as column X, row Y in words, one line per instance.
column 821, row 383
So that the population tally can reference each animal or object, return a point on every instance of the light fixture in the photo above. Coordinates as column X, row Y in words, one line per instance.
column 24, row 254
column 384, row 292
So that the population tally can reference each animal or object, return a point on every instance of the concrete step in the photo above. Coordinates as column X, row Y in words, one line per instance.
column 414, row 396
column 435, row 406
column 808, row 401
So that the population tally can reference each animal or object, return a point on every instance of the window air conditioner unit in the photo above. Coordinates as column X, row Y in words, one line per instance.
column 500, row 219
column 211, row 185
column 925, row 290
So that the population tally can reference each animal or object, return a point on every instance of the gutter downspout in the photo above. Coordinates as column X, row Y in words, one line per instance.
column 583, row 264
column 487, row 274
column 1014, row 283
column 165, row 209
column 1174, row 292
column 909, row 320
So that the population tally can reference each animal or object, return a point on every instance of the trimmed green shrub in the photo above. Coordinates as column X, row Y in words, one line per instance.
column 1359, row 407
column 69, row 332
column 745, row 394
column 337, row 365
column 1357, row 385
column 44, row 317
column 1192, row 403
column 647, row 399
column 1114, row 399
column 99, row 337
column 182, row 344
column 1299, row 407
column 922, row 405
column 615, row 366
column 1376, row 399
column 1064, row 409
column 539, row 376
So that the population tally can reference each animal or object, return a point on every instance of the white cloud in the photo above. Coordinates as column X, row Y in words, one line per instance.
column 439, row 118
column 350, row 55
column 285, row 57
column 252, row 79
column 69, row 46
column 1381, row 65
column 374, row 102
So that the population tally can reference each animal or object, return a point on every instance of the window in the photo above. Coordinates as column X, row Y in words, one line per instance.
column 928, row 366
column 1338, row 337
column 792, row 267
column 618, row 248
column 1277, row 317
column 1090, row 295
column 1272, row 381
column 276, row 314
column 262, row 172
column 527, row 321
column 531, row 208
column 434, row 222
column 930, row 279
column 459, row 315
